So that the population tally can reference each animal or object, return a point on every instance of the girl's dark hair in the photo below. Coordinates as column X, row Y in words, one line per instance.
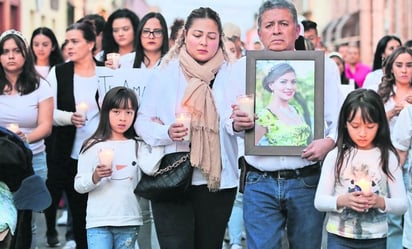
column 386, row 87
column 372, row 110
column 109, row 45
column 28, row 79
column 117, row 97
column 380, row 49
column 55, row 55
column 140, row 51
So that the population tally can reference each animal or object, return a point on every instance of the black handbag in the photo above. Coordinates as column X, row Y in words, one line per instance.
column 169, row 182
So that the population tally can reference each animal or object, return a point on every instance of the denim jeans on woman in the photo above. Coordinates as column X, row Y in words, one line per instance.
column 270, row 205
column 40, row 168
column 112, row 237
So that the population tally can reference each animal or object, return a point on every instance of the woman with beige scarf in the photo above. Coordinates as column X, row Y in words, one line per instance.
column 192, row 78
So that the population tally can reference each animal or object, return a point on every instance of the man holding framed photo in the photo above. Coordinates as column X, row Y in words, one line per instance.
column 280, row 190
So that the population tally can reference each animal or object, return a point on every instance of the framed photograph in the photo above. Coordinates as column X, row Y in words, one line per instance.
column 287, row 88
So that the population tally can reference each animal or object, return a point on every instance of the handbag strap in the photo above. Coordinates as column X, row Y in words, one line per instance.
column 172, row 166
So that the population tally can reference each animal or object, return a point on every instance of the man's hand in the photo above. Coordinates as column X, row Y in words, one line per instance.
column 241, row 120
column 317, row 150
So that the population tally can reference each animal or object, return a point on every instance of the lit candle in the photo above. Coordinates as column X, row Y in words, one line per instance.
column 13, row 127
column 364, row 184
column 246, row 104
column 106, row 156
column 82, row 108
column 185, row 118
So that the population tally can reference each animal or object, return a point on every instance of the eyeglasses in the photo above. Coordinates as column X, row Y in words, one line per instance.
column 156, row 33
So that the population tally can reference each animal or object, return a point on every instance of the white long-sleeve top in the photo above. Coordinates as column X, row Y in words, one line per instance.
column 163, row 98
column 111, row 201
column 361, row 164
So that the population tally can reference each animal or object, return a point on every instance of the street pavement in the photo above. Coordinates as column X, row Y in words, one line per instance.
column 41, row 234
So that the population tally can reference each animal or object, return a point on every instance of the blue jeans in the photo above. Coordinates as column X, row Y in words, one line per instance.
column 40, row 168
column 235, row 225
column 112, row 237
column 338, row 242
column 395, row 223
column 271, row 205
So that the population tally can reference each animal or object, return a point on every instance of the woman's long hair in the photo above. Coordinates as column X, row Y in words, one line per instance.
column 140, row 51
column 386, row 87
column 28, row 79
column 109, row 45
column 55, row 55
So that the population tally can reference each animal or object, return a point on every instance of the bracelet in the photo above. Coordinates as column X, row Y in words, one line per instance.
column 26, row 139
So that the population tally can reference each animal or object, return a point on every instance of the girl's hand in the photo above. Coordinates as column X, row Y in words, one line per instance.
column 100, row 172
column 78, row 120
column 177, row 131
column 355, row 200
column 241, row 120
column 375, row 201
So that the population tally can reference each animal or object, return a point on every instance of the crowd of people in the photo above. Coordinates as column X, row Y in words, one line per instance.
column 358, row 173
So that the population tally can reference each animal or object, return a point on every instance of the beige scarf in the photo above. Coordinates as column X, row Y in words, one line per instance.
column 198, row 98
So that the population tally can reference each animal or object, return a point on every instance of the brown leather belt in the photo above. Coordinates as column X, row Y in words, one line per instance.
column 290, row 173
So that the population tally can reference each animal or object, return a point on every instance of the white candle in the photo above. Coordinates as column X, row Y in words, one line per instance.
column 246, row 104
column 106, row 156
column 82, row 108
column 13, row 127
column 185, row 118
column 364, row 184
column 115, row 58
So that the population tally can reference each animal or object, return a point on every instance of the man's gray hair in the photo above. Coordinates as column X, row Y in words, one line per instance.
column 277, row 4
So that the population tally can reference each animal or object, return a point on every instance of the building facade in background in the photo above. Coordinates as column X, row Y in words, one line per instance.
column 362, row 22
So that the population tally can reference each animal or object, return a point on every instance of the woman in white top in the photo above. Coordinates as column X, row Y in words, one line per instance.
column 25, row 101
column 45, row 49
column 119, row 36
column 76, row 116
column 193, row 76
column 152, row 41
column 384, row 48
column 396, row 92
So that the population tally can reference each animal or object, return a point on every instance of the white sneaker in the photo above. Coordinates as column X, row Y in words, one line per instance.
column 71, row 244
column 62, row 221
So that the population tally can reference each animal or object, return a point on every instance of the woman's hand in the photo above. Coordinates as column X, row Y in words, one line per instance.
column 241, row 120
column 110, row 64
column 177, row 131
column 78, row 120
